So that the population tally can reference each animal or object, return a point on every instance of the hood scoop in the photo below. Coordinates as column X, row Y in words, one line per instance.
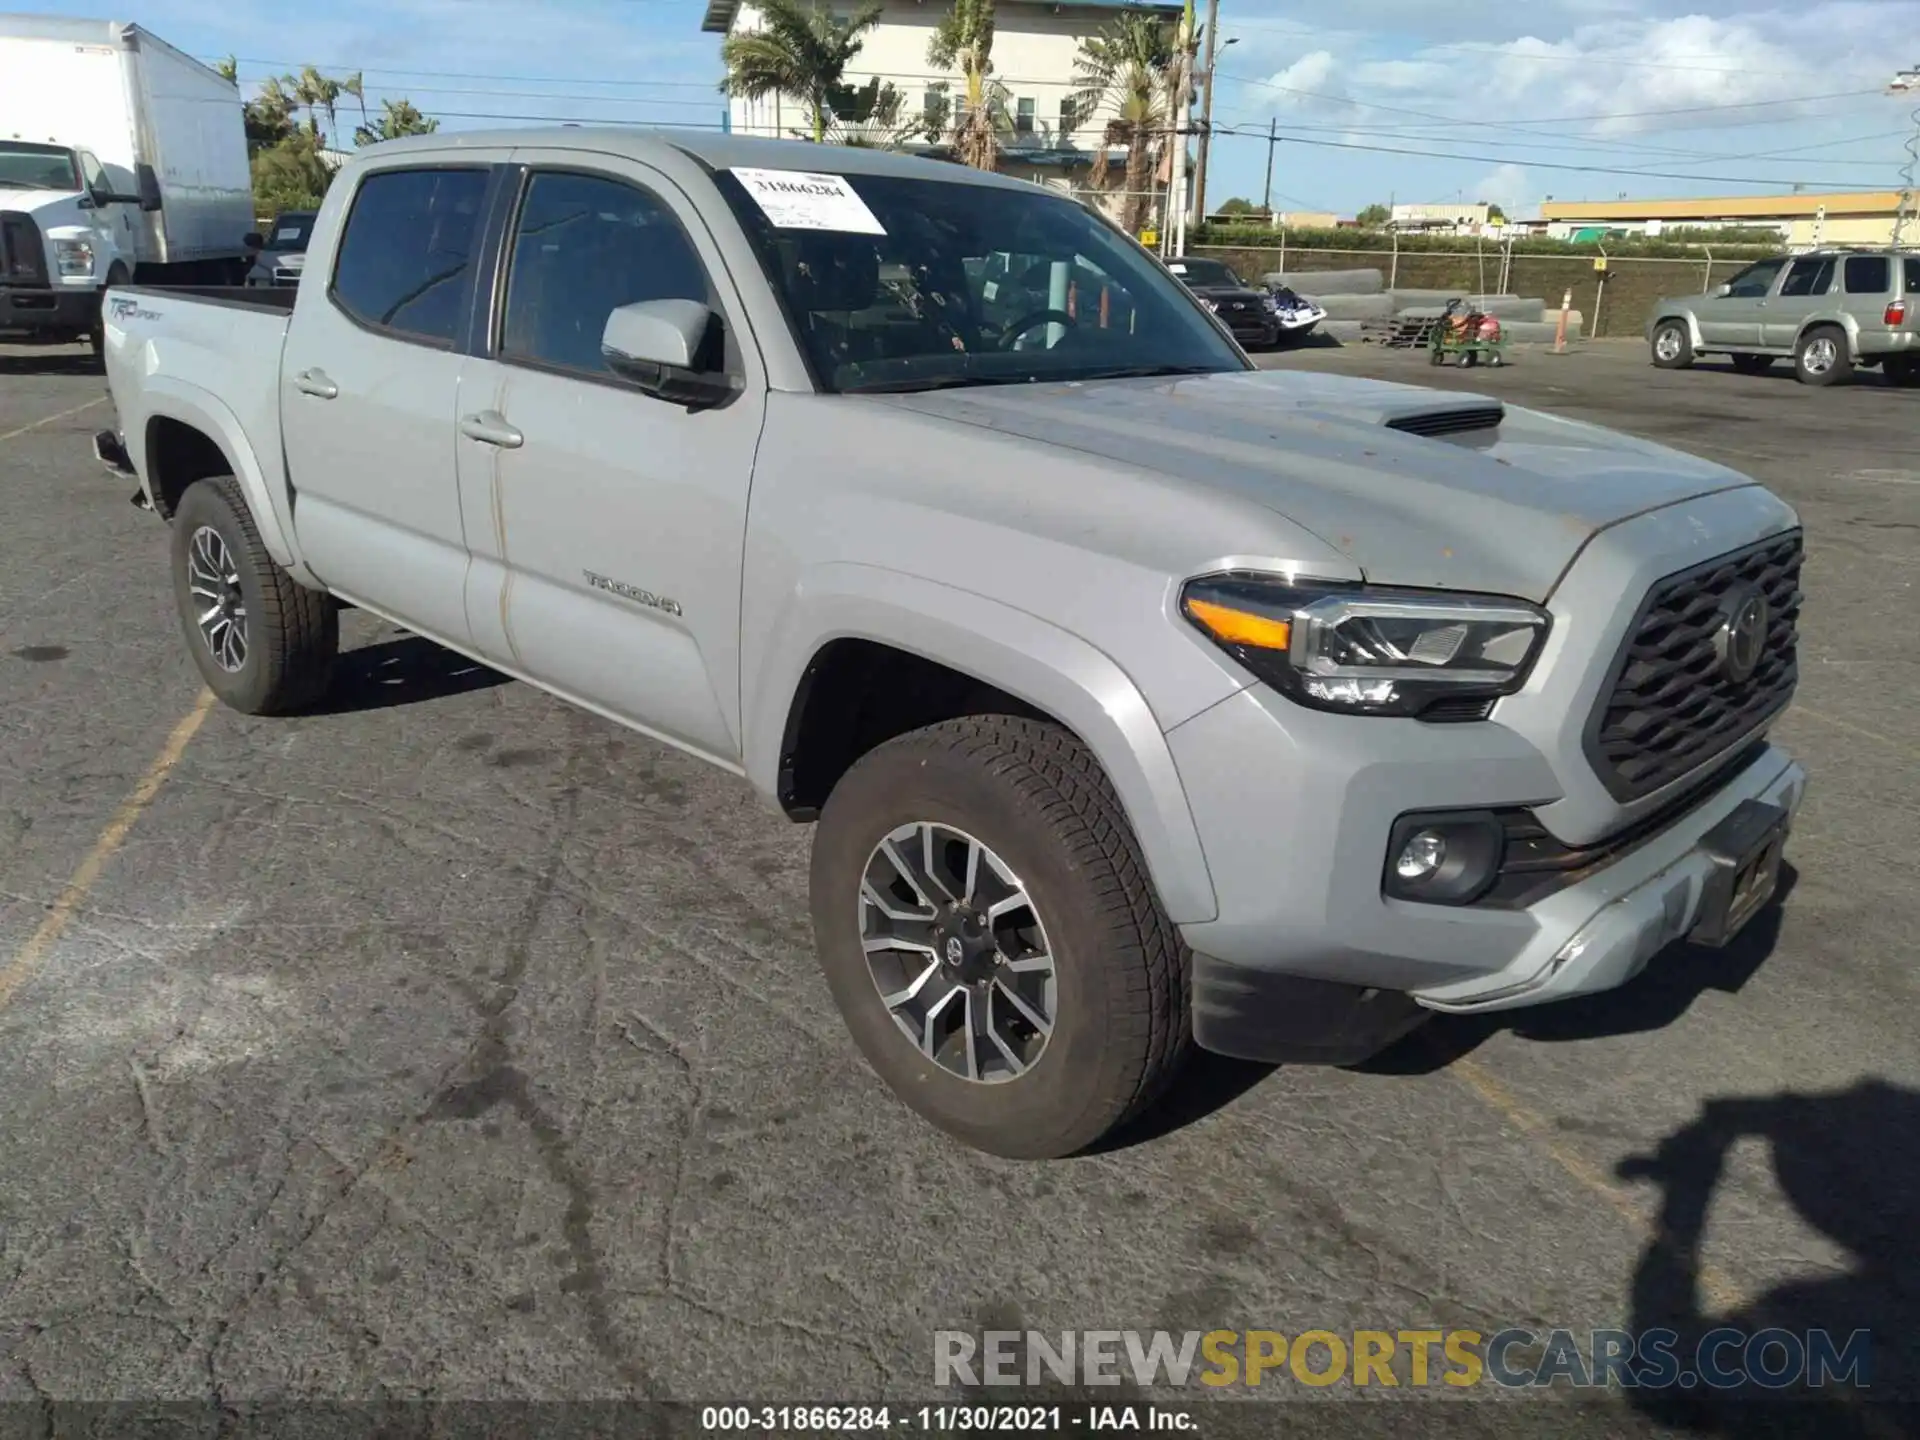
column 1452, row 420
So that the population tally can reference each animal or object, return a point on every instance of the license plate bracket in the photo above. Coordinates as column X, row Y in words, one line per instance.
column 1746, row 850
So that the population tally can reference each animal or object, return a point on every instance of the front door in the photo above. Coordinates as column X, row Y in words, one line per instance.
column 368, row 384
column 1802, row 293
column 1733, row 320
column 606, row 526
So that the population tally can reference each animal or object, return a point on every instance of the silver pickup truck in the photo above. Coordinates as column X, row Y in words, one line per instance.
column 1140, row 698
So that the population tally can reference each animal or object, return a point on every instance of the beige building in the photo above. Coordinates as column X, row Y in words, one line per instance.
column 1860, row 217
column 1034, row 45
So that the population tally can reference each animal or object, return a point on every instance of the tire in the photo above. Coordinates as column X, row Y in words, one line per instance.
column 1822, row 357
column 1904, row 372
column 97, row 331
column 1752, row 364
column 291, row 634
column 1031, row 794
column 1672, row 346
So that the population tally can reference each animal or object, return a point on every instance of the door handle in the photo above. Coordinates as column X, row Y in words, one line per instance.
column 316, row 384
column 490, row 427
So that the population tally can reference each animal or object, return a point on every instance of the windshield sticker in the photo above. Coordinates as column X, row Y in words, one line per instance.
column 1177, row 268
column 801, row 200
column 281, row 237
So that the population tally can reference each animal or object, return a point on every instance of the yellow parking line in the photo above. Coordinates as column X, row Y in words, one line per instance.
column 49, row 419
column 28, row 957
column 1720, row 1291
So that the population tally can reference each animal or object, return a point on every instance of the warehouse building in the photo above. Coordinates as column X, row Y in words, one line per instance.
column 1863, row 217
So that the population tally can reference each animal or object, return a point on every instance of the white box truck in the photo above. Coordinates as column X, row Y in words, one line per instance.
column 120, row 159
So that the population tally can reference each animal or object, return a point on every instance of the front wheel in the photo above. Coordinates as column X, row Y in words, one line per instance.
column 264, row 644
column 1672, row 346
column 988, row 930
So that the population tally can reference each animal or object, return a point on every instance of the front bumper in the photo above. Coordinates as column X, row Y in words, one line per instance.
column 1297, row 851
column 36, row 310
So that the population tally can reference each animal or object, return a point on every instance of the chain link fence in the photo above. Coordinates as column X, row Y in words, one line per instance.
column 1616, row 301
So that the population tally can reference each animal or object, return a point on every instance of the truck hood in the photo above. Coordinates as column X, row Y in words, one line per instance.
column 1417, row 487
column 32, row 202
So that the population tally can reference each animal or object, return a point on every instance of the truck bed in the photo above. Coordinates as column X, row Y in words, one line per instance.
column 248, row 297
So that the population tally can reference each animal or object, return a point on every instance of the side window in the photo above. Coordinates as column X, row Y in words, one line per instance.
column 1869, row 274
column 1755, row 281
column 584, row 246
column 1913, row 276
column 406, row 259
column 1811, row 275
column 93, row 176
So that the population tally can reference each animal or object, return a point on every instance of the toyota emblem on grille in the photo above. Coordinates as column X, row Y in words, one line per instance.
column 1741, row 639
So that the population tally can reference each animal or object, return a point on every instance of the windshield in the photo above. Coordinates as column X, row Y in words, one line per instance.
column 934, row 283
column 1205, row 272
column 290, row 232
column 37, row 167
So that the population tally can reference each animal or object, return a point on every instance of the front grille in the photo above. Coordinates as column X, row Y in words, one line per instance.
column 1451, row 422
column 1671, row 703
column 22, row 261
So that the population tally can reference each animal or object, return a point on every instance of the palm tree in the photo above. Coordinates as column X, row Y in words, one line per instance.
column 315, row 92
column 871, row 117
column 963, row 41
column 397, row 118
column 1131, row 69
column 799, row 49
column 356, row 86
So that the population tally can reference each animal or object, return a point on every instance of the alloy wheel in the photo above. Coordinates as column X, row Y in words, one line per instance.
column 220, row 608
column 957, row 951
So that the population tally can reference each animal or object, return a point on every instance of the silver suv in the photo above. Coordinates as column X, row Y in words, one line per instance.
column 1829, row 311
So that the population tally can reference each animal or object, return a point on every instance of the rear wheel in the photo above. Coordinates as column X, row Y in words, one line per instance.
column 989, row 933
column 264, row 644
column 1822, row 358
column 1753, row 364
column 1672, row 346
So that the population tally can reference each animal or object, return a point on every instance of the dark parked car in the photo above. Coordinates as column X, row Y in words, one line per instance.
column 281, row 253
column 1248, row 310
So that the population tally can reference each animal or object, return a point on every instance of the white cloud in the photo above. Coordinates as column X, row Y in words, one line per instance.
column 1508, row 186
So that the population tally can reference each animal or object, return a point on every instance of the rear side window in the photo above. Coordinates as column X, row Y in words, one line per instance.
column 1913, row 277
column 1809, row 276
column 406, row 260
column 1869, row 274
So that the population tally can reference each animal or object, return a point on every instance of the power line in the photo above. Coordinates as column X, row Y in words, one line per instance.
column 1539, row 164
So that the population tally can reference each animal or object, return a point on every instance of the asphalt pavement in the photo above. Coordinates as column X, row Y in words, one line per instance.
column 454, row 1043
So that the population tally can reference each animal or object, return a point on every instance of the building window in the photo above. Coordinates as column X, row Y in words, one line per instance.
column 1023, row 118
column 1069, row 121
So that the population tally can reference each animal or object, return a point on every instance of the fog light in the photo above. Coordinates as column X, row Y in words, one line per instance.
column 1449, row 858
column 1421, row 856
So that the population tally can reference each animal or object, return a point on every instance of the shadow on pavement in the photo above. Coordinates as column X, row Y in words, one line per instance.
column 1652, row 1000
column 1849, row 1163
column 403, row 671
column 50, row 362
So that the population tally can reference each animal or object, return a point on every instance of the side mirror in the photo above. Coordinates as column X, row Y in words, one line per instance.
column 1721, row 292
column 254, row 240
column 664, row 348
column 147, row 184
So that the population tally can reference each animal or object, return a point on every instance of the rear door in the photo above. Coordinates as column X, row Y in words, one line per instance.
column 368, row 384
column 1733, row 320
column 1801, row 294
column 606, row 526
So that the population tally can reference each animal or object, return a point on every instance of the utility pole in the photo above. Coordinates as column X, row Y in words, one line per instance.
column 1273, row 138
column 1206, row 117
column 1907, row 82
column 1182, row 126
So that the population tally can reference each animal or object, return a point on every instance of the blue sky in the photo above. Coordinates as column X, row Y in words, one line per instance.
column 1654, row 97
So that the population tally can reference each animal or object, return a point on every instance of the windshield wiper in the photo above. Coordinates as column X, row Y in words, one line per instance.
column 936, row 382
column 1143, row 372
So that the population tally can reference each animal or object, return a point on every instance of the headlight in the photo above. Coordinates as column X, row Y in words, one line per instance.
column 1364, row 650
column 75, row 257
column 1213, row 305
column 1273, row 302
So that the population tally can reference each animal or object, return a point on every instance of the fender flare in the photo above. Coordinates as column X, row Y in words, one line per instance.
column 1685, row 316
column 1029, row 658
column 168, row 399
column 1840, row 321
